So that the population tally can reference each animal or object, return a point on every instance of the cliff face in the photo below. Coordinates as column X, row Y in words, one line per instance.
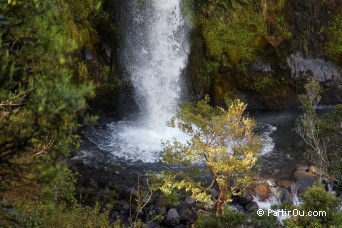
column 261, row 52
column 295, row 40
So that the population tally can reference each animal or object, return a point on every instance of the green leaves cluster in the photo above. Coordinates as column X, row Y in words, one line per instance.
column 231, row 30
column 317, row 199
column 39, row 104
column 222, row 140
column 334, row 44
column 322, row 134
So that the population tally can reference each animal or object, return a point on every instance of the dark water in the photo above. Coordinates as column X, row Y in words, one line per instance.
column 279, row 163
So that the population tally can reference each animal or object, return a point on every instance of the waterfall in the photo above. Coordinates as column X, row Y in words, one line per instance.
column 156, row 50
column 154, row 54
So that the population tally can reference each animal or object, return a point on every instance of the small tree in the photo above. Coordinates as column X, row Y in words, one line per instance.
column 308, row 127
column 222, row 140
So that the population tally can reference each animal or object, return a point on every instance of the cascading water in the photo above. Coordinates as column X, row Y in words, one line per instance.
column 156, row 58
column 154, row 54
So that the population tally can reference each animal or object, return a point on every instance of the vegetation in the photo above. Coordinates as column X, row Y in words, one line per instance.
column 322, row 134
column 51, row 64
column 334, row 44
column 317, row 199
column 223, row 141
column 40, row 110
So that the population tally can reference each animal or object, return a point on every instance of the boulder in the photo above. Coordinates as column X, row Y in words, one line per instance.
column 302, row 174
column 189, row 200
column 323, row 71
column 172, row 217
column 271, row 182
column 260, row 67
column 302, row 167
column 153, row 224
column 283, row 194
column 244, row 199
column 185, row 213
column 315, row 170
column 262, row 192
column 88, row 55
column 252, row 206
column 304, row 183
column 285, row 183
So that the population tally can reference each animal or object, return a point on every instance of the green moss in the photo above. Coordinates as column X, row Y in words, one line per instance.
column 277, row 28
column 232, row 31
column 334, row 44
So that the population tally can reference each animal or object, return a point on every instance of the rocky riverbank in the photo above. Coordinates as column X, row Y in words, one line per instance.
column 126, row 193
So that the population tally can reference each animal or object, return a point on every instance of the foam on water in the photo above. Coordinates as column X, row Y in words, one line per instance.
column 265, row 131
column 155, row 52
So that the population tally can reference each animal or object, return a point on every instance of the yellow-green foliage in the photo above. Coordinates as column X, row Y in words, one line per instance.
column 77, row 16
column 228, row 163
column 263, row 83
column 233, row 31
column 277, row 29
column 334, row 44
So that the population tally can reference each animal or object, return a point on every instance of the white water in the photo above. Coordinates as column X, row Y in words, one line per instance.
column 155, row 52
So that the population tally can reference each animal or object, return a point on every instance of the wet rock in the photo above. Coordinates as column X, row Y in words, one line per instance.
column 189, row 200
column 244, row 199
column 88, row 55
column 262, row 192
column 260, row 67
column 323, row 71
column 305, row 182
column 185, row 213
column 315, row 170
column 271, row 182
column 153, row 224
column 276, row 171
column 302, row 167
column 283, row 194
column 172, row 217
column 179, row 226
column 193, row 217
column 302, row 174
column 285, row 183
column 252, row 206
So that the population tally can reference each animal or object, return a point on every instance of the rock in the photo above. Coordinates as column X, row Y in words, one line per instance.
column 302, row 167
column 153, row 224
column 185, row 213
column 285, row 183
column 301, row 174
column 172, row 217
column 276, row 171
column 87, row 54
column 304, row 183
column 271, row 182
column 315, row 170
column 262, row 192
column 189, row 200
column 252, row 206
column 244, row 199
column 193, row 217
column 323, row 71
column 260, row 67
column 283, row 194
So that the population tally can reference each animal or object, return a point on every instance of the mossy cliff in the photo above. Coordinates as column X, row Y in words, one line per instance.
column 240, row 48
